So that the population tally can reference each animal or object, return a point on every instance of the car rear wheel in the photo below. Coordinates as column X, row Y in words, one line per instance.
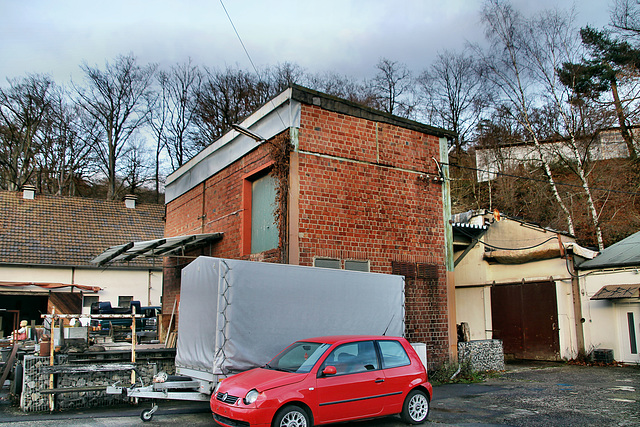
column 292, row 416
column 416, row 407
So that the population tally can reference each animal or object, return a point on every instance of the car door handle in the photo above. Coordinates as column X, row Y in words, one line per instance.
column 380, row 380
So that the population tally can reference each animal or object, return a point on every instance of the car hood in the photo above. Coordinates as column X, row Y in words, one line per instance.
column 261, row 379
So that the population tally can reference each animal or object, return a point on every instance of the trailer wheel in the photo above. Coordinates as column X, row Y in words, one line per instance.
column 146, row 415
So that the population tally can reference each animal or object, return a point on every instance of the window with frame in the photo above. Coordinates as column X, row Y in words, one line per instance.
column 260, row 230
column 327, row 263
column 264, row 231
column 393, row 354
column 125, row 300
column 87, row 300
column 353, row 358
column 356, row 265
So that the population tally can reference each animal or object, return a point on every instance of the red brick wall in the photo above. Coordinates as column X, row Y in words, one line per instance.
column 222, row 211
column 367, row 201
column 361, row 196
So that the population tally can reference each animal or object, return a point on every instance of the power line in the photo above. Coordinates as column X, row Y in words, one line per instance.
column 239, row 38
column 248, row 56
column 539, row 180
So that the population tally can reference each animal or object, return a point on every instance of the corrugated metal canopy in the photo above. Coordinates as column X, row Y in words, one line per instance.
column 155, row 248
column 618, row 292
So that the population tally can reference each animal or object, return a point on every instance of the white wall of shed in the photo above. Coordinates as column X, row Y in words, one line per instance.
column 112, row 281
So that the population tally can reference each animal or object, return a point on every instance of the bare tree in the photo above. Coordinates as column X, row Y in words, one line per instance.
column 24, row 107
column 66, row 156
column 392, row 86
column 551, row 41
column 117, row 99
column 342, row 86
column 173, row 115
column 137, row 165
column 506, row 62
column 625, row 17
column 454, row 94
column 227, row 97
column 283, row 75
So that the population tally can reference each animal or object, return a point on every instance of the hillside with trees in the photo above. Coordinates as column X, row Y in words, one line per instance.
column 534, row 79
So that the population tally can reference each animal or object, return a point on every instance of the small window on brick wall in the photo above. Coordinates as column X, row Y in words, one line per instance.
column 349, row 264
column 356, row 265
column 327, row 263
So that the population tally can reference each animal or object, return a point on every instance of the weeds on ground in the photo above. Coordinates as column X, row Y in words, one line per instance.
column 446, row 374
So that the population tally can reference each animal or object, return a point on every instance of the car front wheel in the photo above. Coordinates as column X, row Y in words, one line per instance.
column 416, row 407
column 292, row 416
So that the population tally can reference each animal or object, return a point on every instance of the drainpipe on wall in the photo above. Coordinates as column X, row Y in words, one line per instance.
column 448, row 242
column 577, row 305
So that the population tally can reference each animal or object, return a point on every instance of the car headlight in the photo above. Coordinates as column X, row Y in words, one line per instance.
column 251, row 397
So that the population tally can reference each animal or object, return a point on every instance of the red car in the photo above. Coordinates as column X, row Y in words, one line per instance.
column 327, row 380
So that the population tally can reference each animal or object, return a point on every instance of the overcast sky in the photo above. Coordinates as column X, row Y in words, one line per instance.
column 343, row 36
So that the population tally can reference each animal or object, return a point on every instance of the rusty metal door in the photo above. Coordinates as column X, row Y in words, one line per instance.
column 525, row 318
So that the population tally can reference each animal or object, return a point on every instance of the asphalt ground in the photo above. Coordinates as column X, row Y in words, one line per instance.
column 528, row 394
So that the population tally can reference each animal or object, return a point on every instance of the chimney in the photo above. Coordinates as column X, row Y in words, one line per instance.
column 28, row 192
column 130, row 201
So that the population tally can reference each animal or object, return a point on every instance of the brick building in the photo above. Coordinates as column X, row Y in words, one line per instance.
column 329, row 183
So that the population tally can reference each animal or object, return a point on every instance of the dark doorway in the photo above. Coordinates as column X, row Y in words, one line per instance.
column 30, row 307
column 525, row 318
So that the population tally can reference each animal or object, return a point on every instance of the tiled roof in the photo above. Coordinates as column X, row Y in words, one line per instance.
column 71, row 231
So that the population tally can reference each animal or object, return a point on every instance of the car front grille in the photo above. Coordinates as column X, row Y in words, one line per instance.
column 229, row 421
column 226, row 398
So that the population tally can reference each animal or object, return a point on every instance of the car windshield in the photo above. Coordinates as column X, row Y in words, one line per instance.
column 299, row 357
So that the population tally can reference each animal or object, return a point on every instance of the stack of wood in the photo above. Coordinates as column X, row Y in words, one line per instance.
column 172, row 340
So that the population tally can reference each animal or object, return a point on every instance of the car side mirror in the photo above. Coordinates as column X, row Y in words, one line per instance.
column 329, row 370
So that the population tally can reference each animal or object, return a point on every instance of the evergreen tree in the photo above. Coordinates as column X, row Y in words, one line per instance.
column 610, row 60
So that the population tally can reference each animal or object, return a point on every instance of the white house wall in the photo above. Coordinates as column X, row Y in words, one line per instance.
column 143, row 285
column 474, row 277
column 567, row 332
column 491, row 161
column 603, row 315
column 473, row 306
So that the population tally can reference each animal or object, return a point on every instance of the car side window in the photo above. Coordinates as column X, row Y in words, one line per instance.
column 393, row 354
column 353, row 358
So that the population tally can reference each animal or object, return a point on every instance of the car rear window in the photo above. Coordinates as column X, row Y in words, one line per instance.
column 393, row 354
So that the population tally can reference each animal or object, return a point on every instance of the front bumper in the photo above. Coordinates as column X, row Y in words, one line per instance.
column 234, row 416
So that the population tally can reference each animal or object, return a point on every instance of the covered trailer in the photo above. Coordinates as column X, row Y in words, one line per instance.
column 236, row 315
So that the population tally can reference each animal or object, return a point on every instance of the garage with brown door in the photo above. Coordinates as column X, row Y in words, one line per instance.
column 525, row 318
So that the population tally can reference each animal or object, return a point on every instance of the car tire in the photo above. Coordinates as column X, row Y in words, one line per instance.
column 415, row 408
column 292, row 416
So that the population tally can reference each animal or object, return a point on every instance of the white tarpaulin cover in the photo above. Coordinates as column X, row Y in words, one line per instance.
column 236, row 315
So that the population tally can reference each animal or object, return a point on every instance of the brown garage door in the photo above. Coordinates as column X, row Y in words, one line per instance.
column 525, row 318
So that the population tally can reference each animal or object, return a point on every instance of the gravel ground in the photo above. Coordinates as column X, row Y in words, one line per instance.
column 532, row 394
column 544, row 394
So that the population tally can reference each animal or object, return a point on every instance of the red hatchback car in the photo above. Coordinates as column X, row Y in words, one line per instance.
column 327, row 380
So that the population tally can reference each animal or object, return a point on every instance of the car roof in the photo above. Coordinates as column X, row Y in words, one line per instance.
column 336, row 339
